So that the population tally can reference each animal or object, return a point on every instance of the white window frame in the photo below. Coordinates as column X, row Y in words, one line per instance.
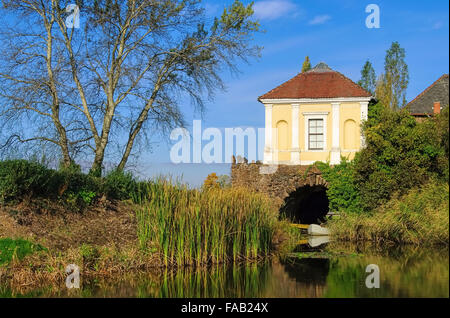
column 316, row 115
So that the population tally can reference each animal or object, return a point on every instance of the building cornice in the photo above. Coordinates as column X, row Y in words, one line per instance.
column 315, row 100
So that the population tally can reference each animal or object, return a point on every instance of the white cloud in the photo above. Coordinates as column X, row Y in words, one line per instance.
column 319, row 19
column 274, row 9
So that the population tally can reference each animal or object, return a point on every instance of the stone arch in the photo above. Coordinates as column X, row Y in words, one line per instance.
column 306, row 205
column 350, row 135
column 286, row 183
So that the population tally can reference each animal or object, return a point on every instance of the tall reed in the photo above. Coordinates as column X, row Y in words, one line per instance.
column 193, row 227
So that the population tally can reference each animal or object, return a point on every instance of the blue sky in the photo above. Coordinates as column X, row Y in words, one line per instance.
column 332, row 31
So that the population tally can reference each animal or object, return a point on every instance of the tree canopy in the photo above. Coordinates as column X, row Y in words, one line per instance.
column 306, row 65
column 106, row 88
column 392, row 85
column 368, row 78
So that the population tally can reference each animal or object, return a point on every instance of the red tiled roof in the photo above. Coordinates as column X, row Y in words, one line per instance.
column 320, row 82
column 436, row 92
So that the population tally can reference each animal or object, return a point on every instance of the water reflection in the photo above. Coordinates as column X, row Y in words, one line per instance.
column 337, row 271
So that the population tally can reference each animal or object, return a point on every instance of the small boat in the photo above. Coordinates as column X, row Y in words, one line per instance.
column 317, row 230
column 316, row 241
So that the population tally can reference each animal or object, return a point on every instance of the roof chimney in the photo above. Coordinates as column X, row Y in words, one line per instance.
column 437, row 108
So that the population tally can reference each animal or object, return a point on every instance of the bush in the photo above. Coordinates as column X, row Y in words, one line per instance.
column 119, row 185
column 400, row 154
column 342, row 191
column 73, row 181
column 419, row 217
column 20, row 178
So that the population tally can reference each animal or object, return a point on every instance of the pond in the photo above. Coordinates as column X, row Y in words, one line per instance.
column 330, row 271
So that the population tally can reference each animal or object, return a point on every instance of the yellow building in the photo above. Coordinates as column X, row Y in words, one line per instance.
column 315, row 116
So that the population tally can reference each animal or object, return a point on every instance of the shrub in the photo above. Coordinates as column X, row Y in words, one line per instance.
column 400, row 154
column 119, row 185
column 73, row 181
column 20, row 178
column 342, row 191
column 419, row 217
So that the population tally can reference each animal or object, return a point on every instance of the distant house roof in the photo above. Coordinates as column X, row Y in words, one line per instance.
column 423, row 104
column 319, row 82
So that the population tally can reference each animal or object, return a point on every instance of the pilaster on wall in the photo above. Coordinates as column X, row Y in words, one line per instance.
column 364, row 117
column 335, row 156
column 295, row 151
column 268, row 149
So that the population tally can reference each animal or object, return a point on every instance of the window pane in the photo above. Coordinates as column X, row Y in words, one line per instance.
column 319, row 130
column 316, row 134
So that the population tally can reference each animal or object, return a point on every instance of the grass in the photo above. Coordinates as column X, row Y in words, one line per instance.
column 192, row 227
column 11, row 250
column 420, row 217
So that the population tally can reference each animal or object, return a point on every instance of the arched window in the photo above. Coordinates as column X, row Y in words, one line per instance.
column 350, row 135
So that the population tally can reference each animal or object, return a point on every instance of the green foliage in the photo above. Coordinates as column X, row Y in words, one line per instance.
column 419, row 217
column 16, row 249
column 306, row 65
column 20, row 178
column 342, row 192
column 87, row 196
column 90, row 255
column 119, row 185
column 391, row 88
column 224, row 181
column 399, row 155
column 368, row 77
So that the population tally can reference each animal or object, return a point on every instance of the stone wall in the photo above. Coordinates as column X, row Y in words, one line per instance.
column 284, row 180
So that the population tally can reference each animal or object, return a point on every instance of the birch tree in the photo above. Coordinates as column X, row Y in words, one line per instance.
column 126, row 73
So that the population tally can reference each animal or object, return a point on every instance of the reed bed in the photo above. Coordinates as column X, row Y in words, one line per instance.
column 202, row 227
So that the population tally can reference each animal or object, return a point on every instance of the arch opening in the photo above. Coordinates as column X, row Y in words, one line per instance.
column 306, row 205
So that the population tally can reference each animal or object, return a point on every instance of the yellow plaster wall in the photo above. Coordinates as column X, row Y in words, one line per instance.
column 311, row 108
column 348, row 111
column 282, row 113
